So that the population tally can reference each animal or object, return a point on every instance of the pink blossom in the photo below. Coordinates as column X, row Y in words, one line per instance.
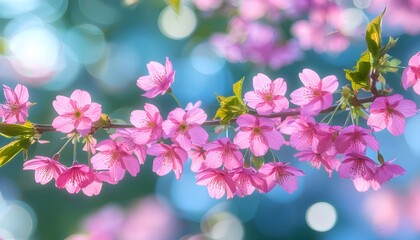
column 359, row 168
column 411, row 74
column 94, row 188
column 114, row 157
column 355, row 139
column 257, row 133
column 247, row 180
column 76, row 113
column 390, row 112
column 316, row 95
column 126, row 138
column 191, row 106
column 325, row 140
column 218, row 183
column 168, row 158
column 45, row 168
column 316, row 159
column 15, row 110
column 75, row 178
column 304, row 132
column 268, row 96
column 386, row 172
column 282, row 174
column 222, row 151
column 159, row 79
column 183, row 127
column 197, row 154
column 148, row 124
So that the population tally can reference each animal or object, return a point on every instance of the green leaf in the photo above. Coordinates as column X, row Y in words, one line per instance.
column 237, row 88
column 381, row 159
column 231, row 106
column 15, row 130
column 175, row 5
column 257, row 161
column 360, row 76
column 373, row 36
column 9, row 151
column 390, row 44
column 390, row 64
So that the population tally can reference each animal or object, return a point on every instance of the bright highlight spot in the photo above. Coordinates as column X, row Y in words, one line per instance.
column 321, row 216
column 362, row 4
column 177, row 26
column 350, row 21
column 222, row 226
column 36, row 50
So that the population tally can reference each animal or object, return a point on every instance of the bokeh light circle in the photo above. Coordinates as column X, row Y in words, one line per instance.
column 321, row 217
column 177, row 26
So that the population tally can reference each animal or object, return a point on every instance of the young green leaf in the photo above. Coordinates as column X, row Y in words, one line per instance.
column 9, row 151
column 257, row 161
column 14, row 130
column 360, row 76
column 373, row 36
column 175, row 5
column 232, row 106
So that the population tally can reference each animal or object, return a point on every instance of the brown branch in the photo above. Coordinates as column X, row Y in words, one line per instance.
column 42, row 128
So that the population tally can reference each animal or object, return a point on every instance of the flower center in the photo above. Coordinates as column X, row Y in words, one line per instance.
column 183, row 127
column 77, row 114
column 269, row 97
column 317, row 92
column 389, row 110
column 257, row 130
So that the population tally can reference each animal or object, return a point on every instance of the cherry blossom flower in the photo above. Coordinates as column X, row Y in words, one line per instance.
column 76, row 113
column 183, row 127
column 218, row 183
column 168, row 158
column 113, row 156
column 268, row 96
column 45, row 168
column 75, row 178
column 282, row 174
column 386, row 172
column 148, row 124
column 15, row 110
column 159, row 79
column 197, row 154
column 325, row 140
column 355, row 139
column 304, row 130
column 411, row 74
column 316, row 95
column 359, row 168
column 126, row 138
column 390, row 112
column 317, row 160
column 247, row 180
column 222, row 151
column 259, row 134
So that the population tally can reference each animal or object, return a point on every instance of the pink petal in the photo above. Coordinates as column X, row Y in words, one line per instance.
column 261, row 82
column 63, row 124
column 259, row 145
column 279, row 86
column 274, row 138
column 396, row 125
column 300, row 96
column 329, row 83
column 309, row 78
column 246, row 120
column 82, row 98
column 196, row 116
column 361, row 184
column 162, row 165
column 242, row 139
column 199, row 136
column 62, row 105
column 94, row 112
column 376, row 121
column 21, row 93
column 131, row 165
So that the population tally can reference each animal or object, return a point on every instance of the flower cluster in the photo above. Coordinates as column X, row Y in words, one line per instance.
column 231, row 165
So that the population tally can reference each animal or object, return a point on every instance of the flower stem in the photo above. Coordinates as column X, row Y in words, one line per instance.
column 65, row 144
column 174, row 97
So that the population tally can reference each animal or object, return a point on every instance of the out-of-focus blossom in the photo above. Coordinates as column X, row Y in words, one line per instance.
column 159, row 79
column 15, row 110
column 259, row 134
column 76, row 113
column 390, row 112
column 255, row 42
column 316, row 95
column 268, row 96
